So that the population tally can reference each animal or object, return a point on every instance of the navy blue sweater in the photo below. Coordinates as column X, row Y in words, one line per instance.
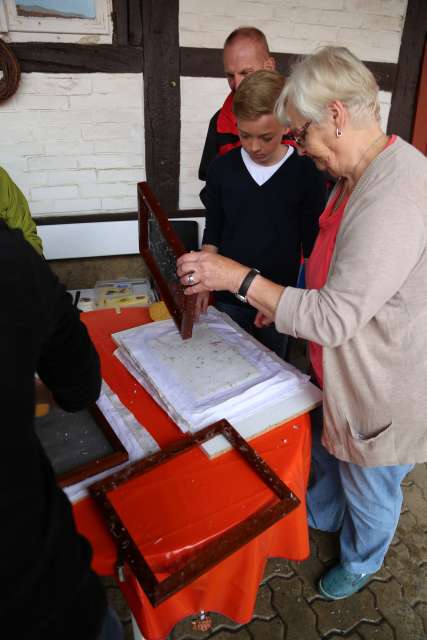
column 269, row 226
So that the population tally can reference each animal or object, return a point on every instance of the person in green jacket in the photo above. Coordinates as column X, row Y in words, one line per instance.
column 15, row 212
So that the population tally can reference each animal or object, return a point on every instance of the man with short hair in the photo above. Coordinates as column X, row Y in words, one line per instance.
column 245, row 51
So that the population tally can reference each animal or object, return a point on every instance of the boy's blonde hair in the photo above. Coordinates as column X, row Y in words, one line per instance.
column 257, row 94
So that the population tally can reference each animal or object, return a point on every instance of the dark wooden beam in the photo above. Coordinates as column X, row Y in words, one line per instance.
column 207, row 63
column 403, row 104
column 52, row 57
column 120, row 17
column 162, row 99
column 135, row 22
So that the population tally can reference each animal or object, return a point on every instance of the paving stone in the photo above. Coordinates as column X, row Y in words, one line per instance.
column 277, row 567
column 310, row 572
column 354, row 636
column 327, row 544
column 418, row 475
column 342, row 616
column 415, row 585
column 383, row 575
column 404, row 565
column 242, row 634
column 416, row 541
column 396, row 610
column 407, row 523
column 263, row 606
column 421, row 610
column 184, row 628
column 272, row 630
column 293, row 609
column 383, row 631
column 416, row 503
column 118, row 603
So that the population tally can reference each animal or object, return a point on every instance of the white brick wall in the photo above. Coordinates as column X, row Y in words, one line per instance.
column 74, row 143
column 372, row 29
column 200, row 98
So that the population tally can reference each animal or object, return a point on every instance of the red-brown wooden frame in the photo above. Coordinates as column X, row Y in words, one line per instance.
column 213, row 552
column 183, row 311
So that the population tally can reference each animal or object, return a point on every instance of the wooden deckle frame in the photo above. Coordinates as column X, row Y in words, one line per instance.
column 161, row 256
column 84, row 470
column 216, row 550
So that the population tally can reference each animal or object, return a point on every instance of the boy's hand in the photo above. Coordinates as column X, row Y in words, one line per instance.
column 262, row 320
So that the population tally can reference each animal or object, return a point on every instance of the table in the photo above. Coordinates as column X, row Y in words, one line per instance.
column 222, row 491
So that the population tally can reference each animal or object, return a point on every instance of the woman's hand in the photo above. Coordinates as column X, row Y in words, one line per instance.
column 202, row 303
column 201, row 271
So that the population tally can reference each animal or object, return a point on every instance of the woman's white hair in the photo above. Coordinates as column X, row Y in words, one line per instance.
column 329, row 74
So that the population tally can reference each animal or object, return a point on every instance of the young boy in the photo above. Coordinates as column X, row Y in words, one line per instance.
column 263, row 202
column 15, row 212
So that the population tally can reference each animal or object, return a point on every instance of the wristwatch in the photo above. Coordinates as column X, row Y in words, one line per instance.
column 246, row 283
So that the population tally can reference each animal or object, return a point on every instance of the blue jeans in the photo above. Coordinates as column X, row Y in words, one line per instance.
column 245, row 316
column 112, row 628
column 364, row 503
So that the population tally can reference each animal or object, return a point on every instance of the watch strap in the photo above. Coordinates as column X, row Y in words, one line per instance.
column 246, row 283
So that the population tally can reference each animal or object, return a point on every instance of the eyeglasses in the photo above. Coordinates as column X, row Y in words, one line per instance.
column 299, row 135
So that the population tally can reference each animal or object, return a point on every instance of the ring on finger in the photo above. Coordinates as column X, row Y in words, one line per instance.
column 190, row 279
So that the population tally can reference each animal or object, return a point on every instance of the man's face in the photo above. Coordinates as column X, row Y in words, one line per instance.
column 242, row 57
column 262, row 138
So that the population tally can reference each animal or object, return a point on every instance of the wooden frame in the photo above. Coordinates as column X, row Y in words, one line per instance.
column 88, row 469
column 169, row 248
column 216, row 550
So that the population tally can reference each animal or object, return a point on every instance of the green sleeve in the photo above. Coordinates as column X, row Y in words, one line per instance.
column 15, row 212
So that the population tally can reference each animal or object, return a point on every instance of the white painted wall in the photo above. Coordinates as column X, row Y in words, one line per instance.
column 372, row 29
column 74, row 143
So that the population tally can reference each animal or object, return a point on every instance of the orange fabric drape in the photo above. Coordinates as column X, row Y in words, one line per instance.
column 174, row 508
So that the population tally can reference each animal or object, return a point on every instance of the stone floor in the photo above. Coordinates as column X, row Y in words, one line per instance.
column 393, row 606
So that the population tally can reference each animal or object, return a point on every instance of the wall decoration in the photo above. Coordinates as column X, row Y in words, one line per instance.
column 51, row 16
column 11, row 71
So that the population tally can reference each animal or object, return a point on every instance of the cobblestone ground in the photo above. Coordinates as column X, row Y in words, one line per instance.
column 392, row 607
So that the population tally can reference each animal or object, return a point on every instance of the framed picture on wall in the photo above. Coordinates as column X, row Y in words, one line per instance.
column 58, row 16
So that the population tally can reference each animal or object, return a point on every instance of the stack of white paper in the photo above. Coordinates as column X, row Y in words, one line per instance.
column 221, row 372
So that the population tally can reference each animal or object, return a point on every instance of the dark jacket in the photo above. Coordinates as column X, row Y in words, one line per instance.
column 47, row 588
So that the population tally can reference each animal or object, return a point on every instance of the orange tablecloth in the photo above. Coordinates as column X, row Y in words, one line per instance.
column 193, row 499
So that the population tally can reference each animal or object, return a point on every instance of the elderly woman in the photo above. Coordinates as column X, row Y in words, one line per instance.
column 364, row 310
